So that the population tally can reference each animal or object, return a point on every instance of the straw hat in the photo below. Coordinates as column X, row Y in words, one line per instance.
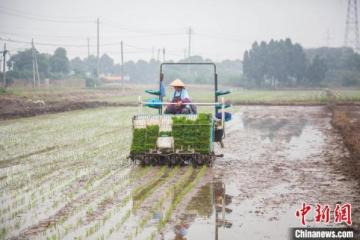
column 177, row 83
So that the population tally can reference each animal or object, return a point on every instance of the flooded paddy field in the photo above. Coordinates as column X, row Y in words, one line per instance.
column 66, row 176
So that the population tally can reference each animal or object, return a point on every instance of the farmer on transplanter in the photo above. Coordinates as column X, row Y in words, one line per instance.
column 182, row 100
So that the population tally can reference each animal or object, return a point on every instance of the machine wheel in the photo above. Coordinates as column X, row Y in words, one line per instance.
column 194, row 162
column 153, row 162
column 161, row 161
column 200, row 160
column 171, row 161
column 147, row 160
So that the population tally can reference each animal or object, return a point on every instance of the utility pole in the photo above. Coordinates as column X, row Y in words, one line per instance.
column 98, row 50
column 158, row 55
column 153, row 53
column 4, row 65
column 33, row 60
column 189, row 43
column 37, row 70
column 163, row 54
column 122, row 67
column 88, row 47
column 352, row 26
column 36, row 76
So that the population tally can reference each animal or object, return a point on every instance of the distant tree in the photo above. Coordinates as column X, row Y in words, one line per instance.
column 353, row 62
column 277, row 62
column 21, row 64
column 298, row 63
column 335, row 58
column 106, row 64
column 316, row 71
column 343, row 65
column 230, row 72
column 59, row 63
column 90, row 64
column 78, row 66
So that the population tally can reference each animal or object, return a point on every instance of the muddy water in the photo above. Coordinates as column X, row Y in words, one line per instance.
column 276, row 158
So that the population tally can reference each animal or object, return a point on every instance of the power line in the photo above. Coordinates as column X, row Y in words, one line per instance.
column 41, row 19
column 142, row 31
column 29, row 35
column 42, row 43
column 46, row 16
column 85, row 46
column 219, row 36
column 80, row 38
column 137, row 47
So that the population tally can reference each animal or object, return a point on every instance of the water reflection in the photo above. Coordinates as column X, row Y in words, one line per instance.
column 201, row 204
column 221, row 201
column 210, row 204
column 271, row 128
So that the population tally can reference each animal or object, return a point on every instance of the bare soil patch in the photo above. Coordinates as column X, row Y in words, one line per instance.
column 16, row 107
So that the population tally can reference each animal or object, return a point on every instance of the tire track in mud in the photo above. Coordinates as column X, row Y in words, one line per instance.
column 17, row 160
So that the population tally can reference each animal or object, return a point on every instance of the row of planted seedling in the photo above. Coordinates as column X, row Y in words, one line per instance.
column 168, row 202
column 140, row 221
column 113, row 219
column 58, row 165
column 35, row 164
column 60, row 200
column 68, row 227
column 122, row 205
column 59, row 131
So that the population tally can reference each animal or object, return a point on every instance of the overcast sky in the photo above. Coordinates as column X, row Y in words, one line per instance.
column 222, row 29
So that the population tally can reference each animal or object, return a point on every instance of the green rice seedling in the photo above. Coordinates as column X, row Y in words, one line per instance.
column 117, row 189
column 179, row 190
column 194, row 134
column 168, row 192
column 178, row 197
column 144, row 139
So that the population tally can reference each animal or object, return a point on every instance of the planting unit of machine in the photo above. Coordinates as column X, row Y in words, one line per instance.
column 180, row 139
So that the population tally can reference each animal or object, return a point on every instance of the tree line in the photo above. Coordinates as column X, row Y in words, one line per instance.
column 285, row 64
column 58, row 66
column 277, row 63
